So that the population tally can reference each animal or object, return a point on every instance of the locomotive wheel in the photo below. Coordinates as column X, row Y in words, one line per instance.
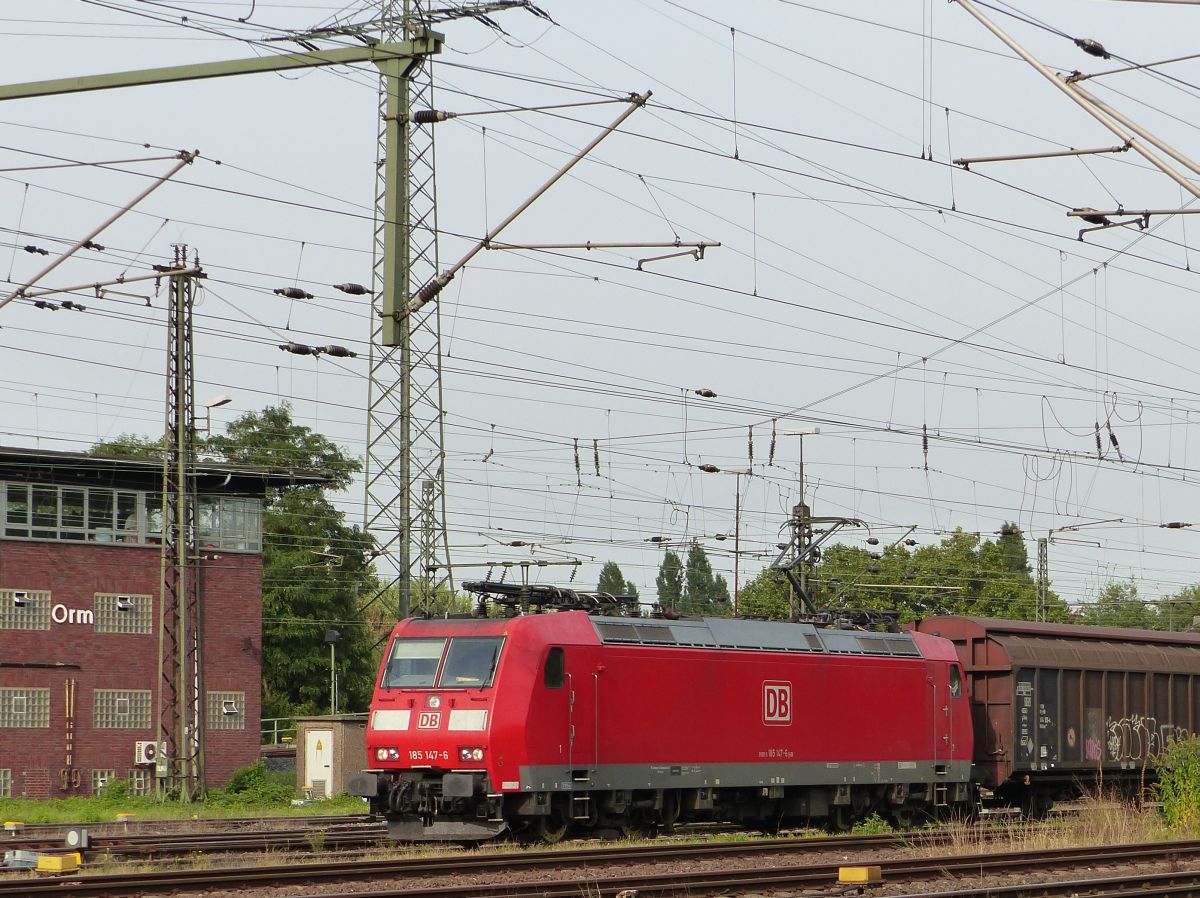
column 841, row 819
column 552, row 828
column 638, row 828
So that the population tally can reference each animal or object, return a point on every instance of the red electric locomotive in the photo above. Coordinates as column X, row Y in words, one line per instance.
column 538, row 723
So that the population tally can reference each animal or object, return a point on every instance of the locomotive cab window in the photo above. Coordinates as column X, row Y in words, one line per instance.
column 470, row 662
column 955, row 681
column 554, row 673
column 413, row 662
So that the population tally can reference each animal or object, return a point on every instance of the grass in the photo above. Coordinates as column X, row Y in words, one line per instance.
column 1100, row 821
column 253, row 792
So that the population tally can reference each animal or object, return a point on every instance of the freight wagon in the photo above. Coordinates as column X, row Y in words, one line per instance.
column 1058, row 708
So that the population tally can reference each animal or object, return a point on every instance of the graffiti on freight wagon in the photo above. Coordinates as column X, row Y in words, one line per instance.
column 1140, row 738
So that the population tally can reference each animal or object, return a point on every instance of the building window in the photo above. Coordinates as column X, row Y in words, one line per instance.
column 124, row 613
column 100, row 779
column 121, row 709
column 105, row 515
column 230, row 523
column 5, row 782
column 141, row 781
column 24, row 707
column 24, row 609
column 226, row 711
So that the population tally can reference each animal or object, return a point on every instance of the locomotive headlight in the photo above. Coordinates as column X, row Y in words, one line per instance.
column 433, row 701
column 470, row 754
column 393, row 754
column 381, row 754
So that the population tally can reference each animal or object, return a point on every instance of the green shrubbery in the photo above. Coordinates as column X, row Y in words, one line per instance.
column 254, row 785
column 1178, row 785
column 252, row 791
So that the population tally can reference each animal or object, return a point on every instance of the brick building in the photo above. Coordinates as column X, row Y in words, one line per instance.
column 79, row 618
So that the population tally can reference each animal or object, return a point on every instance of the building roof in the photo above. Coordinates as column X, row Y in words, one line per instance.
column 79, row 468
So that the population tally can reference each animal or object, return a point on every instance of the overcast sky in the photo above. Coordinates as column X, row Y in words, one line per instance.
column 861, row 287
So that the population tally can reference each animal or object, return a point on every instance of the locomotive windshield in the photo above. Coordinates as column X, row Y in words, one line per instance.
column 415, row 663
column 470, row 662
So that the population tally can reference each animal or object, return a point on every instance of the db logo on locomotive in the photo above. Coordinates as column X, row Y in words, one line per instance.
column 777, row 703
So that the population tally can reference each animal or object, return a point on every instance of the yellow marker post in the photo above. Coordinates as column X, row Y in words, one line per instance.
column 859, row 876
column 59, row 863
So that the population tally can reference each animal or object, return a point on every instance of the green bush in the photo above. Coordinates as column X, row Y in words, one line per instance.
column 873, row 825
column 253, row 785
column 1178, row 786
column 115, row 790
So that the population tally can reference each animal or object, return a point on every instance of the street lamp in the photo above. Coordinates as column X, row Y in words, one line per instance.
column 215, row 402
column 331, row 637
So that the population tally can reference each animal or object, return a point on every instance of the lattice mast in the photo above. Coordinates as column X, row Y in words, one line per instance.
column 405, row 500
column 180, row 759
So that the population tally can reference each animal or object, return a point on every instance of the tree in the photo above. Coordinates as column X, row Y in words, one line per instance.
column 669, row 581
column 766, row 596
column 703, row 592
column 613, row 582
column 1119, row 605
column 961, row 574
column 316, row 568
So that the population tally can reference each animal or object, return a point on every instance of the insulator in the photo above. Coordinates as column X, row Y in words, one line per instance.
column 1112, row 438
column 340, row 352
column 69, row 304
column 91, row 244
column 782, row 545
column 1091, row 47
column 42, row 304
column 163, row 267
column 709, row 469
column 875, row 555
column 430, row 290
column 872, row 569
column 432, row 116
column 657, row 539
column 351, row 288
column 720, row 537
column 596, row 455
column 518, row 544
column 298, row 349
column 292, row 293
column 910, row 542
column 578, row 473
column 771, row 453
column 36, row 249
column 1099, row 447
column 872, row 540
column 1175, row 525
column 706, row 393
column 750, row 443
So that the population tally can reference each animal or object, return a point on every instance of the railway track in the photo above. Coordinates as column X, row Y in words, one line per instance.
column 328, row 834
column 535, row 865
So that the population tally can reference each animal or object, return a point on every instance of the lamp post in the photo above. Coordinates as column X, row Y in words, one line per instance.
column 215, row 402
column 331, row 637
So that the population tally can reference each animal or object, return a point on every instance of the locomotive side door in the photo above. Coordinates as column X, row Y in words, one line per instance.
column 945, row 683
column 558, row 698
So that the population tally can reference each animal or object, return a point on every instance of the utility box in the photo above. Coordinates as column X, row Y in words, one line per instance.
column 329, row 750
